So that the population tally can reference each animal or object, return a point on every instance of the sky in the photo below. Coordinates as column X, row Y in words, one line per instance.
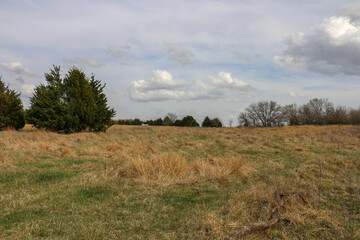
column 188, row 57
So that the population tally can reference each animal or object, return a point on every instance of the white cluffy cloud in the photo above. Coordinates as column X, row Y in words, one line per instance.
column 332, row 48
column 224, row 80
column 18, row 68
column 161, row 87
column 180, row 55
column 160, row 80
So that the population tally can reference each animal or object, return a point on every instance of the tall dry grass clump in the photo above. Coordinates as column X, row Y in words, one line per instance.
column 170, row 168
column 160, row 167
column 218, row 169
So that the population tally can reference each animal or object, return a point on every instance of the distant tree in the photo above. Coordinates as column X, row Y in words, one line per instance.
column 305, row 115
column 157, row 122
column 172, row 117
column 246, row 120
column 338, row 115
column 316, row 111
column 263, row 113
column 167, row 121
column 188, row 121
column 290, row 114
column 137, row 122
column 71, row 104
column 354, row 116
column 12, row 114
column 230, row 122
column 206, row 122
column 177, row 123
column 216, row 122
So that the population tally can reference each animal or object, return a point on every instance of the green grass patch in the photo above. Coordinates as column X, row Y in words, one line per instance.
column 51, row 176
column 22, row 215
column 188, row 198
column 7, row 178
column 95, row 193
column 78, row 161
column 250, row 152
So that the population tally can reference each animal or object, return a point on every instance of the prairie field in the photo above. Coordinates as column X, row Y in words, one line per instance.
column 141, row 182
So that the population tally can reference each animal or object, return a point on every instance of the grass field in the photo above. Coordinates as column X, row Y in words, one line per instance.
column 181, row 183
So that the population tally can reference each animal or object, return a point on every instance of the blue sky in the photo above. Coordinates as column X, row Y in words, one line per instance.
column 188, row 57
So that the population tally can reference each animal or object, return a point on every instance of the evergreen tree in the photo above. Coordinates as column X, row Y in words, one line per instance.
column 47, row 104
column 188, row 121
column 72, row 104
column 211, row 122
column 103, row 113
column 12, row 113
column 206, row 122
column 216, row 123
column 80, row 102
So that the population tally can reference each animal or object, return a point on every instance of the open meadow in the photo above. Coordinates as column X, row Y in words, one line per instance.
column 140, row 182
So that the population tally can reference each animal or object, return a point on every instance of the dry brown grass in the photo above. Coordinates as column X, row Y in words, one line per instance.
column 170, row 168
column 207, row 183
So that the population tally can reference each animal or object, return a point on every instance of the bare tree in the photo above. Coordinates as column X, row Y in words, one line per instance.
column 172, row 116
column 354, row 116
column 316, row 111
column 263, row 113
column 339, row 115
column 290, row 114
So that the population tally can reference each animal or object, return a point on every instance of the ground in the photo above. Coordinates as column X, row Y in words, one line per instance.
column 181, row 183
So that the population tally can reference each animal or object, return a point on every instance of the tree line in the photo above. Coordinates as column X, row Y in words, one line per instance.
column 172, row 120
column 75, row 103
column 318, row 111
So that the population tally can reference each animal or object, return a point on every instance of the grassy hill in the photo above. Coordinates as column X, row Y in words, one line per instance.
column 181, row 183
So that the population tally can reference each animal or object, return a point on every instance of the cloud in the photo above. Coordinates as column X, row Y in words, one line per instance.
column 242, row 56
column 351, row 10
column 27, row 90
column 296, row 95
column 117, row 52
column 180, row 55
column 161, row 87
column 333, row 47
column 289, row 63
column 87, row 61
column 224, row 80
column 91, row 62
column 160, row 79
column 16, row 67
column 20, row 80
